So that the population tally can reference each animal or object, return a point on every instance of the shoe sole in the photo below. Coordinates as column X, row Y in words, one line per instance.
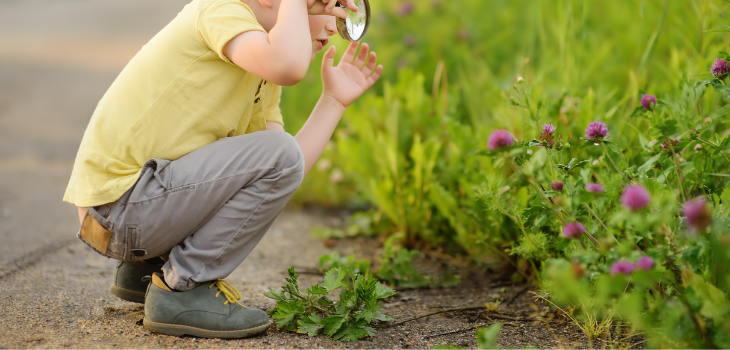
column 128, row 295
column 180, row 330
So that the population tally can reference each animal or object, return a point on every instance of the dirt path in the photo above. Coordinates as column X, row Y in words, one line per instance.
column 57, row 57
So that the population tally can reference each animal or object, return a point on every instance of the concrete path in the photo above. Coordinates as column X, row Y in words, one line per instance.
column 57, row 58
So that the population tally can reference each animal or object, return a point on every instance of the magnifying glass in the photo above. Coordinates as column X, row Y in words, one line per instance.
column 355, row 26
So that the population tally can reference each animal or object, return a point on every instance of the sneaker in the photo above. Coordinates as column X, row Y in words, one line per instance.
column 200, row 312
column 131, row 279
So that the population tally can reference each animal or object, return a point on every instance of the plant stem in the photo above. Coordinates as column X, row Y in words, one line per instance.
column 599, row 220
column 681, row 186
column 605, row 151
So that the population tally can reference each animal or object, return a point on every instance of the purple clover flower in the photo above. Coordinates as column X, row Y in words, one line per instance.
column 557, row 185
column 645, row 263
column 720, row 68
column 596, row 130
column 500, row 138
column 622, row 267
column 409, row 40
column 698, row 214
column 649, row 102
column 594, row 187
column 548, row 129
column 635, row 197
column 547, row 135
column 463, row 34
column 405, row 8
column 574, row 230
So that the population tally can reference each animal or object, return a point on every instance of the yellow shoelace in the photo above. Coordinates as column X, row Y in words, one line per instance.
column 230, row 292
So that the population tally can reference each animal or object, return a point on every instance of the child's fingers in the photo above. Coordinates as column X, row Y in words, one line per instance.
column 361, row 56
column 350, row 4
column 329, row 5
column 375, row 76
column 338, row 12
column 370, row 66
column 328, row 59
column 349, row 53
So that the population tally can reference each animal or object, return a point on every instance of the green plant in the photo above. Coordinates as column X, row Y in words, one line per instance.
column 312, row 311
column 486, row 338
column 334, row 260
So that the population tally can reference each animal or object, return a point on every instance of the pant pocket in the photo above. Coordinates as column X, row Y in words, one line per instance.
column 162, row 174
column 134, row 250
column 94, row 233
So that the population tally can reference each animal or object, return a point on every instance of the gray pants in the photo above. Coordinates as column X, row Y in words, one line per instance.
column 208, row 209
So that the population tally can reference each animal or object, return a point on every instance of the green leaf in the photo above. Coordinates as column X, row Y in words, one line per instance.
column 382, row 291
column 382, row 317
column 720, row 112
column 720, row 29
column 348, row 299
column 714, row 303
column 352, row 332
column 317, row 290
column 367, row 315
column 333, row 323
column 537, row 161
column 720, row 88
column 638, row 111
column 487, row 337
column 695, row 256
column 669, row 128
column 285, row 312
column 333, row 279
column 310, row 325
column 649, row 164
column 276, row 294
column 721, row 147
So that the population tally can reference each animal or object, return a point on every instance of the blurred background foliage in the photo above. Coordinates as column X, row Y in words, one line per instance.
column 404, row 154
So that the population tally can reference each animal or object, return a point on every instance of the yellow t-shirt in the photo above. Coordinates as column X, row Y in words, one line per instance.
column 178, row 94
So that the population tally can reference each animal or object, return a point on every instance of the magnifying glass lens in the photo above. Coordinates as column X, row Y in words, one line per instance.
column 355, row 26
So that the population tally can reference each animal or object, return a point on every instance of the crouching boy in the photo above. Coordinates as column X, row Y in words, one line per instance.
column 185, row 163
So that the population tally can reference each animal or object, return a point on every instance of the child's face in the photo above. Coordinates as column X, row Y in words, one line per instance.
column 321, row 28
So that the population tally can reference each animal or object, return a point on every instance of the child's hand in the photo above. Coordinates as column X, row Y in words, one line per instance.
column 349, row 80
column 328, row 7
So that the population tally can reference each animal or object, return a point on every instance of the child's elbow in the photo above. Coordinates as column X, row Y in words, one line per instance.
column 291, row 74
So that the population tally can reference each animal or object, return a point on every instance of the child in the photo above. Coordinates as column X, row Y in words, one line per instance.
column 185, row 163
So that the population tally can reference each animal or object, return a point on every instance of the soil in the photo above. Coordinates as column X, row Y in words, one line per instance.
column 57, row 58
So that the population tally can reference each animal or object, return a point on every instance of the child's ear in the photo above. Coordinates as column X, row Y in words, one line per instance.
column 266, row 3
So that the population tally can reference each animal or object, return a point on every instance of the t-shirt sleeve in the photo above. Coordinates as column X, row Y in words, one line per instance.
column 273, row 112
column 223, row 21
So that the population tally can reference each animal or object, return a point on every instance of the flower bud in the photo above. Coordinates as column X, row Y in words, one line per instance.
column 499, row 139
column 557, row 186
column 720, row 67
column 649, row 102
column 405, row 8
column 594, row 187
column 574, row 230
column 622, row 267
column 635, row 197
column 645, row 263
column 697, row 214
column 596, row 130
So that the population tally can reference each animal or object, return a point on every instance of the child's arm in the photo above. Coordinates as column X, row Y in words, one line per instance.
column 343, row 85
column 283, row 55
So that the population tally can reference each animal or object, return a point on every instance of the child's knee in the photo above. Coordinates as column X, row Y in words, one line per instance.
column 291, row 158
